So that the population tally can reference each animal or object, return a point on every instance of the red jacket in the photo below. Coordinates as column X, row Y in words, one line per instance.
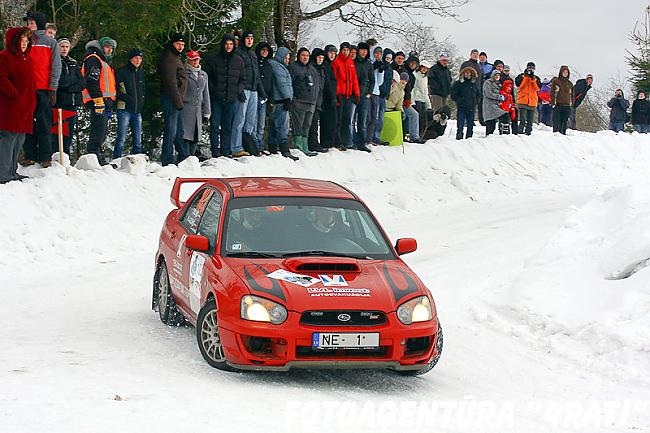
column 508, row 104
column 17, row 87
column 347, row 84
column 46, row 57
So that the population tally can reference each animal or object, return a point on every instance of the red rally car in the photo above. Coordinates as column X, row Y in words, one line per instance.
column 280, row 273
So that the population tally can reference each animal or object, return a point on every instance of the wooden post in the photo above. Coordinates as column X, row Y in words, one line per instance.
column 60, row 128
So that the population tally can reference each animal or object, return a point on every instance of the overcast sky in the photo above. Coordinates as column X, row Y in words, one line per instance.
column 590, row 36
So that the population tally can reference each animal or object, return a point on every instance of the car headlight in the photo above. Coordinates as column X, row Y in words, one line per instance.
column 262, row 310
column 415, row 310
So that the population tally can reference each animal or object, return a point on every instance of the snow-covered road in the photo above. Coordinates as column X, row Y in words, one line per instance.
column 81, row 350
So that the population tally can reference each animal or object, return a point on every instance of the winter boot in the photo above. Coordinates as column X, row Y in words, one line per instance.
column 249, row 146
column 301, row 143
column 290, row 156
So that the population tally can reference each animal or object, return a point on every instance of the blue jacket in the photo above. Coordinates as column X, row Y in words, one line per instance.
column 282, row 85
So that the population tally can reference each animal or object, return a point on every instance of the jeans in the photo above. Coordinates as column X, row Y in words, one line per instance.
column 572, row 119
column 560, row 118
column 413, row 118
column 172, row 133
column 642, row 129
column 379, row 123
column 464, row 118
column 279, row 130
column 526, row 118
column 221, row 121
column 245, row 120
column 362, row 114
column 616, row 126
column 124, row 120
column 10, row 144
column 344, row 112
column 371, row 117
column 546, row 114
column 353, row 124
column 38, row 146
column 258, row 135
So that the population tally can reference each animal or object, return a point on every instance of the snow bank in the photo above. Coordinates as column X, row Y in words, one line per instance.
column 586, row 294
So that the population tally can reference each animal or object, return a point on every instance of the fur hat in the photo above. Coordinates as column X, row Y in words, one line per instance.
column 106, row 41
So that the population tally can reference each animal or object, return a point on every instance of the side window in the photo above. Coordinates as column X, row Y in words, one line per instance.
column 209, row 226
column 192, row 217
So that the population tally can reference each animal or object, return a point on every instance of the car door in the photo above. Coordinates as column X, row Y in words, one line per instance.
column 199, row 260
column 189, row 225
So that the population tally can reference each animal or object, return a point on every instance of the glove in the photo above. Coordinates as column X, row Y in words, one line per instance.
column 357, row 99
column 51, row 96
column 339, row 100
column 502, row 98
column 242, row 97
column 407, row 103
column 271, row 108
column 99, row 105
column 286, row 104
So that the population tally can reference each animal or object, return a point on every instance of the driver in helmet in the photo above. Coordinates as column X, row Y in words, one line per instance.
column 246, row 233
column 323, row 219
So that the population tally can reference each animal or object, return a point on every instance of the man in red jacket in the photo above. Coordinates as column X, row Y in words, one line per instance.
column 17, row 99
column 347, row 94
column 46, row 60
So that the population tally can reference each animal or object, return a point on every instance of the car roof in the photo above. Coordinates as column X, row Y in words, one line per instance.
column 284, row 187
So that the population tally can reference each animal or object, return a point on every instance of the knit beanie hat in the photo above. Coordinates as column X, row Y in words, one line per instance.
column 530, row 65
column 177, row 37
column 135, row 52
column 363, row 46
column 404, row 76
column 331, row 48
column 345, row 45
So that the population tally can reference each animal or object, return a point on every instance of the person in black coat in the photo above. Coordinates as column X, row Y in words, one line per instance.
column 328, row 119
column 129, row 81
column 641, row 113
column 68, row 94
column 465, row 94
column 306, row 87
column 226, row 78
column 366, row 78
column 317, row 61
column 580, row 89
column 439, row 78
column 264, row 53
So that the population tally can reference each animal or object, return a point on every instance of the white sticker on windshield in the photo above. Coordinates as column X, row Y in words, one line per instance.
column 236, row 247
column 290, row 277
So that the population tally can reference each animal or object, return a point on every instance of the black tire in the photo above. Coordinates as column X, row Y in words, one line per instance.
column 163, row 300
column 434, row 361
column 207, row 337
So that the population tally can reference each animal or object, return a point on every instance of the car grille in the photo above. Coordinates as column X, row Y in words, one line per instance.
column 337, row 318
column 370, row 352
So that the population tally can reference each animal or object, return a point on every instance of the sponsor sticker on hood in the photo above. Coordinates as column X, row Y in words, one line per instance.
column 290, row 277
column 329, row 292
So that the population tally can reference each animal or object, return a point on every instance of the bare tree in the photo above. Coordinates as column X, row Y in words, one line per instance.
column 378, row 15
column 422, row 39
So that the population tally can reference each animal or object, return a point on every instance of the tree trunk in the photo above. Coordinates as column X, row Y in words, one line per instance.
column 286, row 23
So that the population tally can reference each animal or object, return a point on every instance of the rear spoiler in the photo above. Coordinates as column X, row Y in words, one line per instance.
column 176, row 189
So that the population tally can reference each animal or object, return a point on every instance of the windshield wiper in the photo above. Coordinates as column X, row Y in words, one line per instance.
column 253, row 254
column 325, row 253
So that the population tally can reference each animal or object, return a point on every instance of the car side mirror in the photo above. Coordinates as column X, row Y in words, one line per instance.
column 197, row 243
column 406, row 245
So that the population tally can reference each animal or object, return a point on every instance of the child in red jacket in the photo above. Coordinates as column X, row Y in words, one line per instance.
column 508, row 103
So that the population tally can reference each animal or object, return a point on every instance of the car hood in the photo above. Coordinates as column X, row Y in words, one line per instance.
column 374, row 285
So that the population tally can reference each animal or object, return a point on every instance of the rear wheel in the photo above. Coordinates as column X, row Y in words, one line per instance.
column 164, row 300
column 208, row 338
column 433, row 362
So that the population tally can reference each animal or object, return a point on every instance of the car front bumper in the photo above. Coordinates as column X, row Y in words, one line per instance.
column 263, row 346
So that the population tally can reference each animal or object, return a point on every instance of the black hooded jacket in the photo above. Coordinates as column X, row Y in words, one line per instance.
column 365, row 75
column 226, row 74
column 265, row 69
column 439, row 80
column 130, row 87
column 641, row 112
column 384, row 88
column 321, row 74
column 329, row 88
column 253, row 82
column 305, row 81
column 71, row 84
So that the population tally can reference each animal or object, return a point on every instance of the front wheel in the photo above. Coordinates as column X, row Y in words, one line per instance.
column 208, row 339
column 433, row 362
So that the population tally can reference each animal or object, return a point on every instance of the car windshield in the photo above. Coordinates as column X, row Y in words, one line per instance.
column 292, row 227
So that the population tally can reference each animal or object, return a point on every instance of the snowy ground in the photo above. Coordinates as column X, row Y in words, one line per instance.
column 535, row 249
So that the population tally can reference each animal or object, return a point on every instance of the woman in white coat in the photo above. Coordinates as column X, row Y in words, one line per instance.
column 196, row 102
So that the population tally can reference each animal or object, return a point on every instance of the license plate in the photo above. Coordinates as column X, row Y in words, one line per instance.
column 329, row 340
